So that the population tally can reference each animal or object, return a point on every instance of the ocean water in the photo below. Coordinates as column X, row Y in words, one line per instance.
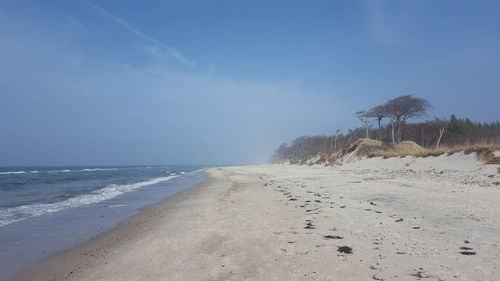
column 44, row 210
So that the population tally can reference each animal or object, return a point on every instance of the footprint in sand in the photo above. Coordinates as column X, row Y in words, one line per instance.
column 467, row 251
column 309, row 225
column 333, row 237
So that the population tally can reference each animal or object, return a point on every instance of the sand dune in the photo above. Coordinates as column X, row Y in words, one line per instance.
column 375, row 219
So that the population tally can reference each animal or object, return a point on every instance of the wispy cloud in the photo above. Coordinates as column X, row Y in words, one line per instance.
column 158, row 46
column 73, row 26
column 389, row 23
column 377, row 23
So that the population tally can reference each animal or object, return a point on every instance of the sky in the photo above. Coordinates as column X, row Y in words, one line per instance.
column 123, row 82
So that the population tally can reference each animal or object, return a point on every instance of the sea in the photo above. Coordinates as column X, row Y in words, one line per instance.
column 45, row 210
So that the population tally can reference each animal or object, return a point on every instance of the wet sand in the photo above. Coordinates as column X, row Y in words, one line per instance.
column 359, row 222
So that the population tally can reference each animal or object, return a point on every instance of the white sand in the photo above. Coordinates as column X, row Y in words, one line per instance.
column 405, row 219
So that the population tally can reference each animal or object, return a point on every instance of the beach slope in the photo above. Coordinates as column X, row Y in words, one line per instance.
column 270, row 222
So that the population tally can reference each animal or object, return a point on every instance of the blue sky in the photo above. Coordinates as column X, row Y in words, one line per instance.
column 152, row 82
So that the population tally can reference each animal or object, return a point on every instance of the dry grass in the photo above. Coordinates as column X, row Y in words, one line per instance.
column 373, row 148
column 485, row 152
column 401, row 149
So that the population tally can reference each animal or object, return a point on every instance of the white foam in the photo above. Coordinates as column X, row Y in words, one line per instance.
column 83, row 170
column 12, row 173
column 59, row 171
column 198, row 171
column 10, row 215
column 99, row 169
column 117, row 205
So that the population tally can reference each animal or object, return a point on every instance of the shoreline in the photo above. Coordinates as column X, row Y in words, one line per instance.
column 32, row 270
column 356, row 222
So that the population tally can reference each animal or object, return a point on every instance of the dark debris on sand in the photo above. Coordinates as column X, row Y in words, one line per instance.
column 345, row 249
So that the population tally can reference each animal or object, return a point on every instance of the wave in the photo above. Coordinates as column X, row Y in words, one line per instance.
column 18, row 172
column 12, row 172
column 59, row 171
column 83, row 170
column 14, row 214
column 98, row 169
column 116, row 206
column 68, row 170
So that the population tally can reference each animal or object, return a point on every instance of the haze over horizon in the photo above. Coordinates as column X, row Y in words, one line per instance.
column 179, row 82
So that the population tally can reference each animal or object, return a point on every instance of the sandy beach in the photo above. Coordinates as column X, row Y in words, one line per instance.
column 436, row 218
column 249, row 140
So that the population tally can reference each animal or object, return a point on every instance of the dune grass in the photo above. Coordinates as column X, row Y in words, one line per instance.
column 373, row 148
column 485, row 152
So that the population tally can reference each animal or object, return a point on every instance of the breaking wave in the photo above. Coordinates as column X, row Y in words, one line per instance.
column 14, row 214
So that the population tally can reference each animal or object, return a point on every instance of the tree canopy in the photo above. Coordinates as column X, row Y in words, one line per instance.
column 453, row 131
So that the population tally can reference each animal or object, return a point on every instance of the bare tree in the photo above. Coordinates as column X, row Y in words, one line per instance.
column 403, row 108
column 441, row 131
column 378, row 112
column 364, row 117
column 336, row 137
column 333, row 141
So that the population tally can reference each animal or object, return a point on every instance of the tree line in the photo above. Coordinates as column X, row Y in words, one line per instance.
column 446, row 132
column 398, row 111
